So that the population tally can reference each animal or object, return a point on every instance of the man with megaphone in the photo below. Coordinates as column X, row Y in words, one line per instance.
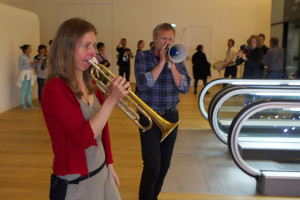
column 158, row 85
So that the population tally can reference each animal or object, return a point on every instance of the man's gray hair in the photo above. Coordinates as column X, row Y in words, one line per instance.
column 163, row 26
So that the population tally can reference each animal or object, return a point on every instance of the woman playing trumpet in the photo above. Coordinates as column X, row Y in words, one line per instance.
column 76, row 114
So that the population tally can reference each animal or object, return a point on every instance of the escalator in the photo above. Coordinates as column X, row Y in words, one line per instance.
column 229, row 101
column 271, row 157
column 239, row 82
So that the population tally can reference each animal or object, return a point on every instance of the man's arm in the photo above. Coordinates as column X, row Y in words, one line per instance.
column 144, row 77
column 266, row 60
column 130, row 53
column 233, row 58
column 181, row 77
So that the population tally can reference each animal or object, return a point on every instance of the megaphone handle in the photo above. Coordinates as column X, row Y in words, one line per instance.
column 169, row 64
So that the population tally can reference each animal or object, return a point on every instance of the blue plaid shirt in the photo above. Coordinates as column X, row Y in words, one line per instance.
column 163, row 94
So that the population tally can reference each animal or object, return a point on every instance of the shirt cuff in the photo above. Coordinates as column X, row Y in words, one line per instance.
column 183, row 83
column 149, row 79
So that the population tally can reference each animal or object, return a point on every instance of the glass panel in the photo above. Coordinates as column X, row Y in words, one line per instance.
column 270, row 140
column 232, row 105
column 293, row 44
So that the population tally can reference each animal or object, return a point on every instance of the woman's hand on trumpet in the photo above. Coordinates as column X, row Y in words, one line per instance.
column 118, row 89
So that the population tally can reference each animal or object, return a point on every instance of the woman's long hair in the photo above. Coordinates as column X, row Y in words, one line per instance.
column 258, row 41
column 61, row 55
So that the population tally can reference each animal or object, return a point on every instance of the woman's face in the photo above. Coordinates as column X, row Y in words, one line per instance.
column 42, row 51
column 102, row 48
column 253, row 43
column 84, row 51
column 142, row 44
column 28, row 50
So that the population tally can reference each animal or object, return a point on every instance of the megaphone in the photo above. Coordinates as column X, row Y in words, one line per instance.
column 177, row 53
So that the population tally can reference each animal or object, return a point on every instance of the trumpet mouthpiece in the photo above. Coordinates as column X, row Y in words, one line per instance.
column 93, row 61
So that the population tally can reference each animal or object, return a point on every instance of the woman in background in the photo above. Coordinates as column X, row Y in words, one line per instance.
column 40, row 66
column 252, row 56
column 102, row 59
column 101, row 56
column 140, row 45
column 201, row 67
column 26, row 77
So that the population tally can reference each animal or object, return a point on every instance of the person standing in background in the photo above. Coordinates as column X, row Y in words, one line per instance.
column 201, row 67
column 102, row 59
column 101, row 55
column 140, row 45
column 230, row 65
column 274, row 60
column 252, row 58
column 26, row 77
column 40, row 66
column 262, row 38
column 124, row 59
column 159, row 87
column 264, row 48
column 151, row 45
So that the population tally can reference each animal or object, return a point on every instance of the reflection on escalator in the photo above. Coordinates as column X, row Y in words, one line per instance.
column 231, row 106
column 270, row 140
column 264, row 141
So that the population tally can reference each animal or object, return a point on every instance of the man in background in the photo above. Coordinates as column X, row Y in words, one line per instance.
column 230, row 66
column 124, row 58
column 274, row 60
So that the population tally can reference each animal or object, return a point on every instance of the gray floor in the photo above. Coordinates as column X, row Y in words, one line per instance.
column 202, row 164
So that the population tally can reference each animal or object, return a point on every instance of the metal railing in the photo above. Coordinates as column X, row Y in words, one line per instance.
column 244, row 82
column 239, row 121
column 222, row 96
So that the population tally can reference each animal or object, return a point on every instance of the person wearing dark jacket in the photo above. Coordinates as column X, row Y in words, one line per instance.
column 124, row 58
column 201, row 67
column 274, row 60
column 252, row 57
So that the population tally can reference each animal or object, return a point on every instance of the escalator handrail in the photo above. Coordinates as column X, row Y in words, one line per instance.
column 240, row 82
column 226, row 93
column 238, row 122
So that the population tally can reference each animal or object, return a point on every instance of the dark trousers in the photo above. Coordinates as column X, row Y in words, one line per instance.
column 125, row 70
column 230, row 70
column 41, row 82
column 156, row 156
column 196, row 83
column 274, row 74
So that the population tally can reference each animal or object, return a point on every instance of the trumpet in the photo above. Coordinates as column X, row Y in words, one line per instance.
column 142, row 108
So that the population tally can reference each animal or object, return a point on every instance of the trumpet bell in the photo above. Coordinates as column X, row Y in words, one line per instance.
column 167, row 128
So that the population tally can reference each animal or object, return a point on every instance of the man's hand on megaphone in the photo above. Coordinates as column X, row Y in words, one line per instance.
column 164, row 54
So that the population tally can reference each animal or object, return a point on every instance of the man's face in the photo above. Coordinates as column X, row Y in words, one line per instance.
column 262, row 40
column 124, row 43
column 164, row 37
column 229, row 44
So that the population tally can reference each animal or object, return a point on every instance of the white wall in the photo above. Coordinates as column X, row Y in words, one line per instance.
column 18, row 27
column 135, row 20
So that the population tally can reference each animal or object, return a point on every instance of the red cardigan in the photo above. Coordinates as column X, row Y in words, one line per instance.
column 70, row 133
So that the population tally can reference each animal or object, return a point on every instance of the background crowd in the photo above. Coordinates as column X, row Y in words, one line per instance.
column 258, row 61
